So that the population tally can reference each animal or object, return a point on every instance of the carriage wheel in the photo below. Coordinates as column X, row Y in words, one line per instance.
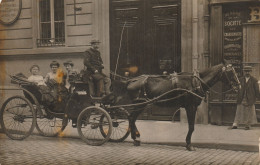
column 18, row 118
column 89, row 123
column 48, row 125
column 120, row 123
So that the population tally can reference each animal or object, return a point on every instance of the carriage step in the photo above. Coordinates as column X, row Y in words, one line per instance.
column 96, row 99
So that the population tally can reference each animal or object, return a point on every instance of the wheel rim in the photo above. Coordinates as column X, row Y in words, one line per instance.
column 49, row 126
column 89, row 123
column 120, row 125
column 17, row 117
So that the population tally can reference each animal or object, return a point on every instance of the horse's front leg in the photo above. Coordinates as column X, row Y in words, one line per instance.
column 191, row 113
column 135, row 134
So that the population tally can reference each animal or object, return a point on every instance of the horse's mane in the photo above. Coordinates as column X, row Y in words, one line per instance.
column 209, row 73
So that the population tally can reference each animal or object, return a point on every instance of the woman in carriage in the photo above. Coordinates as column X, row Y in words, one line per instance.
column 35, row 77
column 41, row 90
column 51, row 91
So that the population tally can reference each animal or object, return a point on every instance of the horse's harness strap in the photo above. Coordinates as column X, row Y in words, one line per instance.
column 196, row 83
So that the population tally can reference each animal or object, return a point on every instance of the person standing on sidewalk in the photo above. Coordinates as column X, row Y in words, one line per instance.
column 246, row 98
column 94, row 65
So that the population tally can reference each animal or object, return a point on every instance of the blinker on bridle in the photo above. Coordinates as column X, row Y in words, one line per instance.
column 230, row 68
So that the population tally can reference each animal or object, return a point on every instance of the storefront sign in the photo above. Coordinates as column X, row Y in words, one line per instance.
column 254, row 14
column 10, row 11
column 232, row 41
column 233, row 34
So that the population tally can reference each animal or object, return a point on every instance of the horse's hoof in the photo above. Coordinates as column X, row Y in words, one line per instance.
column 137, row 143
column 190, row 148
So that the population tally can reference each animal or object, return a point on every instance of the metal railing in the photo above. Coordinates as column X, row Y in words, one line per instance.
column 51, row 42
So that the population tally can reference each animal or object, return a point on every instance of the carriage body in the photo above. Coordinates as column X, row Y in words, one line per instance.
column 50, row 110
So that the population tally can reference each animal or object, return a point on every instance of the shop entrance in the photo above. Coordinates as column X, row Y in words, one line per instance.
column 146, row 35
column 145, row 38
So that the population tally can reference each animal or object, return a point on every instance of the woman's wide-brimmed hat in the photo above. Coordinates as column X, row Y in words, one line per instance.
column 247, row 68
column 54, row 63
column 69, row 62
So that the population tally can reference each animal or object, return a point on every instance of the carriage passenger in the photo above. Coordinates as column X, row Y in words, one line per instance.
column 56, row 75
column 55, row 80
column 71, row 73
column 35, row 77
column 39, row 81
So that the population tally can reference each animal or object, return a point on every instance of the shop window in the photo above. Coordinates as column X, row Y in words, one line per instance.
column 51, row 23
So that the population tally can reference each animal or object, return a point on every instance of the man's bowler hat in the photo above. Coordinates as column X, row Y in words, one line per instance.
column 69, row 62
column 247, row 68
column 94, row 41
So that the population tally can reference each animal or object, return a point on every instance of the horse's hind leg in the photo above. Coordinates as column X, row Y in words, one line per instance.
column 135, row 134
column 191, row 113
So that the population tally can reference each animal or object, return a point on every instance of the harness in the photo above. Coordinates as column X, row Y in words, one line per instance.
column 140, row 82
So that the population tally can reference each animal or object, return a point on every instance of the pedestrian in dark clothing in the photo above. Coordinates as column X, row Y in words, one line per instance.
column 94, row 65
column 246, row 98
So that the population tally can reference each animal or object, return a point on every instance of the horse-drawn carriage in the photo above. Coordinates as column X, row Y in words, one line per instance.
column 95, row 124
column 115, row 116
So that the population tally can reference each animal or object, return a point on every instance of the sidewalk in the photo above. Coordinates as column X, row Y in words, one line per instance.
column 204, row 136
column 208, row 136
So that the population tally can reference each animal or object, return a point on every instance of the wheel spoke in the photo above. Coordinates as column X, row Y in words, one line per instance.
column 17, row 117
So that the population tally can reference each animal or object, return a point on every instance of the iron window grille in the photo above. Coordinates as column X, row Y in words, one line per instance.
column 51, row 23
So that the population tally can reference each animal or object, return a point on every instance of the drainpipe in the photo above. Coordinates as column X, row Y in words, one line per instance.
column 195, row 35
column 206, row 34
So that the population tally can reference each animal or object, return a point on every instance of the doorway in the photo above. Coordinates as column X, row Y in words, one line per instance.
column 145, row 36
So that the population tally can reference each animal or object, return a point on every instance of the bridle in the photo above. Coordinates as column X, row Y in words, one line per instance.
column 224, row 71
column 227, row 69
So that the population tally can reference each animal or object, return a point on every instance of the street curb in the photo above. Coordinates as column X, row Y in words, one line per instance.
column 223, row 146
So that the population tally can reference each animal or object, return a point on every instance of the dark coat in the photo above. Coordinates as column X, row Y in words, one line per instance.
column 93, row 60
column 251, row 88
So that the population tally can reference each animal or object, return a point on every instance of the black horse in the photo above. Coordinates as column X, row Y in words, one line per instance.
column 177, row 90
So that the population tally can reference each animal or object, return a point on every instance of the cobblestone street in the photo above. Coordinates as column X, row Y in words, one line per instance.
column 43, row 150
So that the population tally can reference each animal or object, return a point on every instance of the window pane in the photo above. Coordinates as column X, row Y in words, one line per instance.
column 59, row 32
column 59, row 10
column 45, row 32
column 45, row 11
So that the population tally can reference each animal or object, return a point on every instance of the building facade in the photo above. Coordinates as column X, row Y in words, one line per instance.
column 137, row 36
column 234, row 36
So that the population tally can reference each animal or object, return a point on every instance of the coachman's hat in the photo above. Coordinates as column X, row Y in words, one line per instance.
column 94, row 41
column 69, row 62
column 247, row 68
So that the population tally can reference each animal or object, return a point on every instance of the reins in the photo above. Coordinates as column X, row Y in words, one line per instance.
column 157, row 99
column 212, row 90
